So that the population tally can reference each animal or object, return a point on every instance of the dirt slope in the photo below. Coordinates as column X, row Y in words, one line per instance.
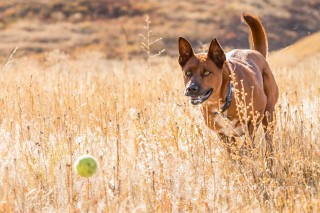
column 114, row 26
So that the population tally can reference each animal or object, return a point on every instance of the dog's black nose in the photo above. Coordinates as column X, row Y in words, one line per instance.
column 192, row 89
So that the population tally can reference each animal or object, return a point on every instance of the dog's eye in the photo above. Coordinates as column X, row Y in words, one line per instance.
column 206, row 73
column 188, row 73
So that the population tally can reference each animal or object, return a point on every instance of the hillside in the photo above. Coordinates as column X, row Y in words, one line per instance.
column 305, row 50
column 114, row 26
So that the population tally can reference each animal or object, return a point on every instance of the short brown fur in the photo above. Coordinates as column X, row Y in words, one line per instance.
column 209, row 74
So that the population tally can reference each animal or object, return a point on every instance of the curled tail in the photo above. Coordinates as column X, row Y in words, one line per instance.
column 258, row 34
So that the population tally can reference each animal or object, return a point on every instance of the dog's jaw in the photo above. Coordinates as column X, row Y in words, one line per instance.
column 195, row 100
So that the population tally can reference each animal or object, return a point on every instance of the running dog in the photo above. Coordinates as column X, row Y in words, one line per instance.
column 208, row 82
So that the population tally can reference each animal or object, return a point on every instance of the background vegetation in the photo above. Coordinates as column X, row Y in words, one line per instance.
column 113, row 26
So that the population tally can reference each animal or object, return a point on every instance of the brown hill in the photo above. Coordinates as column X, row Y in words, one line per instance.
column 305, row 51
column 114, row 26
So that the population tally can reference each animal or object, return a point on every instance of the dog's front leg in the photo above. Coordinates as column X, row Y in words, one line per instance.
column 229, row 142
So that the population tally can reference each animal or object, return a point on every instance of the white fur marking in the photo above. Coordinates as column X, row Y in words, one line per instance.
column 228, row 126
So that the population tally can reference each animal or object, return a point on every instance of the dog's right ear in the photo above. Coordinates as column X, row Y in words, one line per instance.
column 185, row 51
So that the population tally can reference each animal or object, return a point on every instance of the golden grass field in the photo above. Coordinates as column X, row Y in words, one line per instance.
column 154, row 151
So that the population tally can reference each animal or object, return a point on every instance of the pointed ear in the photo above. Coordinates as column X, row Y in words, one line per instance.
column 185, row 51
column 216, row 54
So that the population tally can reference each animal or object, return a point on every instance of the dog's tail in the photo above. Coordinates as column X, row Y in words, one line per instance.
column 258, row 34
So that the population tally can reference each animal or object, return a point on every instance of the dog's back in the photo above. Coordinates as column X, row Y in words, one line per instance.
column 255, row 61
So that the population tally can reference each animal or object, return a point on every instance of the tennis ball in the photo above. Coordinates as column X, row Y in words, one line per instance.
column 85, row 165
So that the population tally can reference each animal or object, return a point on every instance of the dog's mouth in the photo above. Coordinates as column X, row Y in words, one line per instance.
column 195, row 100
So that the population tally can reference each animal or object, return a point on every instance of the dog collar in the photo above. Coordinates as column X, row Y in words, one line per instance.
column 228, row 99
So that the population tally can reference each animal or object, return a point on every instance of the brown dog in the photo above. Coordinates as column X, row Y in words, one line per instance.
column 207, row 77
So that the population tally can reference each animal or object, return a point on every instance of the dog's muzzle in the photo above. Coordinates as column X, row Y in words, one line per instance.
column 196, row 94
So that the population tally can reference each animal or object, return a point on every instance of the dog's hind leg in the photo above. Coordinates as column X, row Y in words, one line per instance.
column 272, row 92
column 268, row 127
column 251, row 130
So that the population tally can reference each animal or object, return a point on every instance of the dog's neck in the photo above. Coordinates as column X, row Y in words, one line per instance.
column 228, row 99
column 225, row 85
column 220, row 103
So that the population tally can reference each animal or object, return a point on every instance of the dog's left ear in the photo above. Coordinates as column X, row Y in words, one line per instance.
column 216, row 54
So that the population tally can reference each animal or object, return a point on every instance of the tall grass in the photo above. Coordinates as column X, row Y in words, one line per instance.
column 155, row 152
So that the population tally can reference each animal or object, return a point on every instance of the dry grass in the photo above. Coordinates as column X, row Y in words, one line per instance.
column 155, row 153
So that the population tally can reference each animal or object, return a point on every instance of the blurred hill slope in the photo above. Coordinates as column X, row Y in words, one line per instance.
column 305, row 51
column 113, row 27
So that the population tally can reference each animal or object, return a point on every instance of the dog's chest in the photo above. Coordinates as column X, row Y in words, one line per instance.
column 226, row 126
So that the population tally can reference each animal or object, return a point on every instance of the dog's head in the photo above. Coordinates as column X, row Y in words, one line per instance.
column 204, row 73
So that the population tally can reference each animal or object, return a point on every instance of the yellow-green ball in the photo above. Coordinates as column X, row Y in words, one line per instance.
column 86, row 166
